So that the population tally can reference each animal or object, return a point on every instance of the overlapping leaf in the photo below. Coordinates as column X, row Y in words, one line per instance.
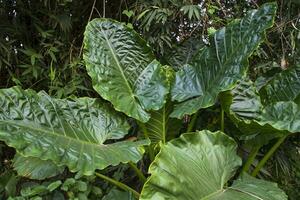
column 197, row 166
column 160, row 127
column 184, row 52
column 123, row 69
column 218, row 67
column 243, row 106
column 36, row 168
column 264, row 122
column 284, row 86
column 68, row 132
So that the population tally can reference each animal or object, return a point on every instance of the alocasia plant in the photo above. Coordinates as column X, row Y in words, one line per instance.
column 68, row 132
column 271, row 112
column 81, row 133
column 197, row 166
column 218, row 67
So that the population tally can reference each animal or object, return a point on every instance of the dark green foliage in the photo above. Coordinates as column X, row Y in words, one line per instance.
column 41, row 47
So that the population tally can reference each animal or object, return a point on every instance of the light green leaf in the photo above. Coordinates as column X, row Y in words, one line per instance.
column 218, row 67
column 198, row 166
column 54, row 185
column 122, row 68
column 161, row 126
column 35, row 168
column 68, row 132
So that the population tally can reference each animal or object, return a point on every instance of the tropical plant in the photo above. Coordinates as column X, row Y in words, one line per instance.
column 87, row 135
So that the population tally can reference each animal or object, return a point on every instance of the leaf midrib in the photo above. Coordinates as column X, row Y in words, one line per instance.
column 38, row 131
column 230, row 188
column 112, row 50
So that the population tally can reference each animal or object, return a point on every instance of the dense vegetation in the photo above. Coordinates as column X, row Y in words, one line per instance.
column 149, row 99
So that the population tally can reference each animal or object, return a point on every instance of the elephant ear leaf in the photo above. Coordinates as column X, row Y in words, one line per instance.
column 218, row 67
column 123, row 69
column 255, row 120
column 36, row 168
column 197, row 166
column 182, row 53
column 70, row 132
column 284, row 86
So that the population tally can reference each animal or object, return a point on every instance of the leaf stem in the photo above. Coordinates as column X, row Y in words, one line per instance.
column 192, row 123
column 267, row 156
column 118, row 184
column 150, row 149
column 251, row 158
column 138, row 172
column 222, row 119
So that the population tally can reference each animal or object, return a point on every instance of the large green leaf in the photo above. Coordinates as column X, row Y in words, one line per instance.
column 243, row 106
column 36, row 168
column 160, row 126
column 283, row 86
column 182, row 54
column 262, row 122
column 198, row 166
column 282, row 115
column 68, row 132
column 123, row 69
column 218, row 67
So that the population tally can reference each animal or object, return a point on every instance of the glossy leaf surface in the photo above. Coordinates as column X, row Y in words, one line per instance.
column 160, row 126
column 123, row 69
column 284, row 86
column 35, row 168
column 218, row 67
column 244, row 107
column 184, row 52
column 68, row 132
column 197, row 166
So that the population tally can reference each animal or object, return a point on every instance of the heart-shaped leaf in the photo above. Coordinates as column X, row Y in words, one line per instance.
column 198, row 166
column 68, row 132
column 218, row 67
column 123, row 69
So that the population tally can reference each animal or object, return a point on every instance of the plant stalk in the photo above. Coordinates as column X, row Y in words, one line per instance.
column 267, row 156
column 251, row 158
column 192, row 123
column 222, row 119
column 138, row 172
column 150, row 149
column 118, row 184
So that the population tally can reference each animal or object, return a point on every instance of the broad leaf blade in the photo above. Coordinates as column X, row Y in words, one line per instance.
column 191, row 167
column 118, row 61
column 283, row 115
column 284, row 86
column 197, row 166
column 35, row 168
column 161, row 127
column 249, row 188
column 243, row 106
column 218, row 67
column 152, row 86
column 184, row 52
column 68, row 132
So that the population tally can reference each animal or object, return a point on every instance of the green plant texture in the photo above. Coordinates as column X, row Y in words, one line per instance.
column 198, row 119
